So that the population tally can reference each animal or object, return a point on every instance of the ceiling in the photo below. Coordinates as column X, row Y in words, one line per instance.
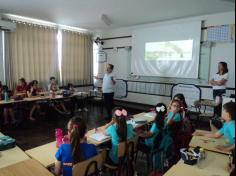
column 87, row 13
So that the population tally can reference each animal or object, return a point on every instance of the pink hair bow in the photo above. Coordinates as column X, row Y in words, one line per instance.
column 121, row 112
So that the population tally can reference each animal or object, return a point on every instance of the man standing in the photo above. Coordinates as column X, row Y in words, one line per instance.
column 108, row 90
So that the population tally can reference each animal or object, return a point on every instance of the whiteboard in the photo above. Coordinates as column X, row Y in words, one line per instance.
column 190, row 92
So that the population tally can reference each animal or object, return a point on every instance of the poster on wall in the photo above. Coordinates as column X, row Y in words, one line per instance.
column 102, row 57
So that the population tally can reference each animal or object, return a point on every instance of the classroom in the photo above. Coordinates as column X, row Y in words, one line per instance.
column 117, row 88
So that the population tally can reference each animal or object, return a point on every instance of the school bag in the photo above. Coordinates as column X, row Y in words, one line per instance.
column 7, row 142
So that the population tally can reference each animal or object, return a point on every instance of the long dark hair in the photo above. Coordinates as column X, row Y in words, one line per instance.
column 31, row 84
column 161, row 111
column 77, row 130
column 181, row 98
column 121, row 125
column 225, row 66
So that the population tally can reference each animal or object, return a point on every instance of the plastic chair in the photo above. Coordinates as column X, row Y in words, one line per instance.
column 90, row 166
column 148, row 151
column 126, row 157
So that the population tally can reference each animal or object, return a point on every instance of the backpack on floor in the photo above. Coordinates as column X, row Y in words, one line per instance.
column 7, row 142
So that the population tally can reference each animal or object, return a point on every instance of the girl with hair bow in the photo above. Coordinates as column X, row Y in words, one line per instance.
column 119, row 131
column 158, row 125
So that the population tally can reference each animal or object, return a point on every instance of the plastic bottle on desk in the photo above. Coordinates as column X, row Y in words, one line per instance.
column 200, row 162
column 6, row 97
column 202, row 153
column 59, row 137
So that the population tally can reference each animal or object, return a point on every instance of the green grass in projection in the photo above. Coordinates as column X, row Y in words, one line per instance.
column 169, row 51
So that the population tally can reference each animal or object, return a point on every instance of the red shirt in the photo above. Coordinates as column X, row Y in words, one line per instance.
column 21, row 88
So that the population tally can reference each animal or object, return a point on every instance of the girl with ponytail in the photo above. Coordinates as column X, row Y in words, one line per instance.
column 76, row 150
column 119, row 131
column 157, row 126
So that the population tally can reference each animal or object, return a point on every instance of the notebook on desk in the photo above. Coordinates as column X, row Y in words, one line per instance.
column 99, row 137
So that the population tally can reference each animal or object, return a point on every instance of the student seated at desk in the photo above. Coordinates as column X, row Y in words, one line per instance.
column 174, row 114
column 33, row 90
column 157, row 126
column 76, row 151
column 70, row 87
column 21, row 86
column 8, row 113
column 187, row 127
column 228, row 129
column 57, row 105
column 119, row 131
column 52, row 80
column 180, row 97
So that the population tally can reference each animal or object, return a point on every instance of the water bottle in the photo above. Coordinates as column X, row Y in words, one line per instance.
column 202, row 154
column 6, row 97
column 200, row 162
column 59, row 137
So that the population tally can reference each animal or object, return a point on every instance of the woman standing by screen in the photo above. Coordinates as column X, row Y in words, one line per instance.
column 218, row 83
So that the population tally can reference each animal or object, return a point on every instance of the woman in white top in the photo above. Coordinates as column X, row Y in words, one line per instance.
column 218, row 83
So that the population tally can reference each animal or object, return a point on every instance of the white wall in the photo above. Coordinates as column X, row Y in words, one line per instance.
column 220, row 52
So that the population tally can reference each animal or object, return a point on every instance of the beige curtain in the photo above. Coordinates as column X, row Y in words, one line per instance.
column 33, row 53
column 77, row 58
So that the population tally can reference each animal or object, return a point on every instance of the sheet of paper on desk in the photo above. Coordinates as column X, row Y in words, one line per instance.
column 149, row 114
column 99, row 137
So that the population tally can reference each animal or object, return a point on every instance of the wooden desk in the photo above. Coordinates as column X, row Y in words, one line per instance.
column 44, row 154
column 25, row 168
column 92, row 141
column 36, row 98
column 12, row 156
column 208, row 143
column 11, row 101
column 214, row 165
column 143, row 117
column 139, row 117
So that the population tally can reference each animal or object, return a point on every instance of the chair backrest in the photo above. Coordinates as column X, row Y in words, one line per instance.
column 121, row 149
column 131, row 146
column 89, row 166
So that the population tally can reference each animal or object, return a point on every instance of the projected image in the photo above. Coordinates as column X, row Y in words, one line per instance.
column 169, row 50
